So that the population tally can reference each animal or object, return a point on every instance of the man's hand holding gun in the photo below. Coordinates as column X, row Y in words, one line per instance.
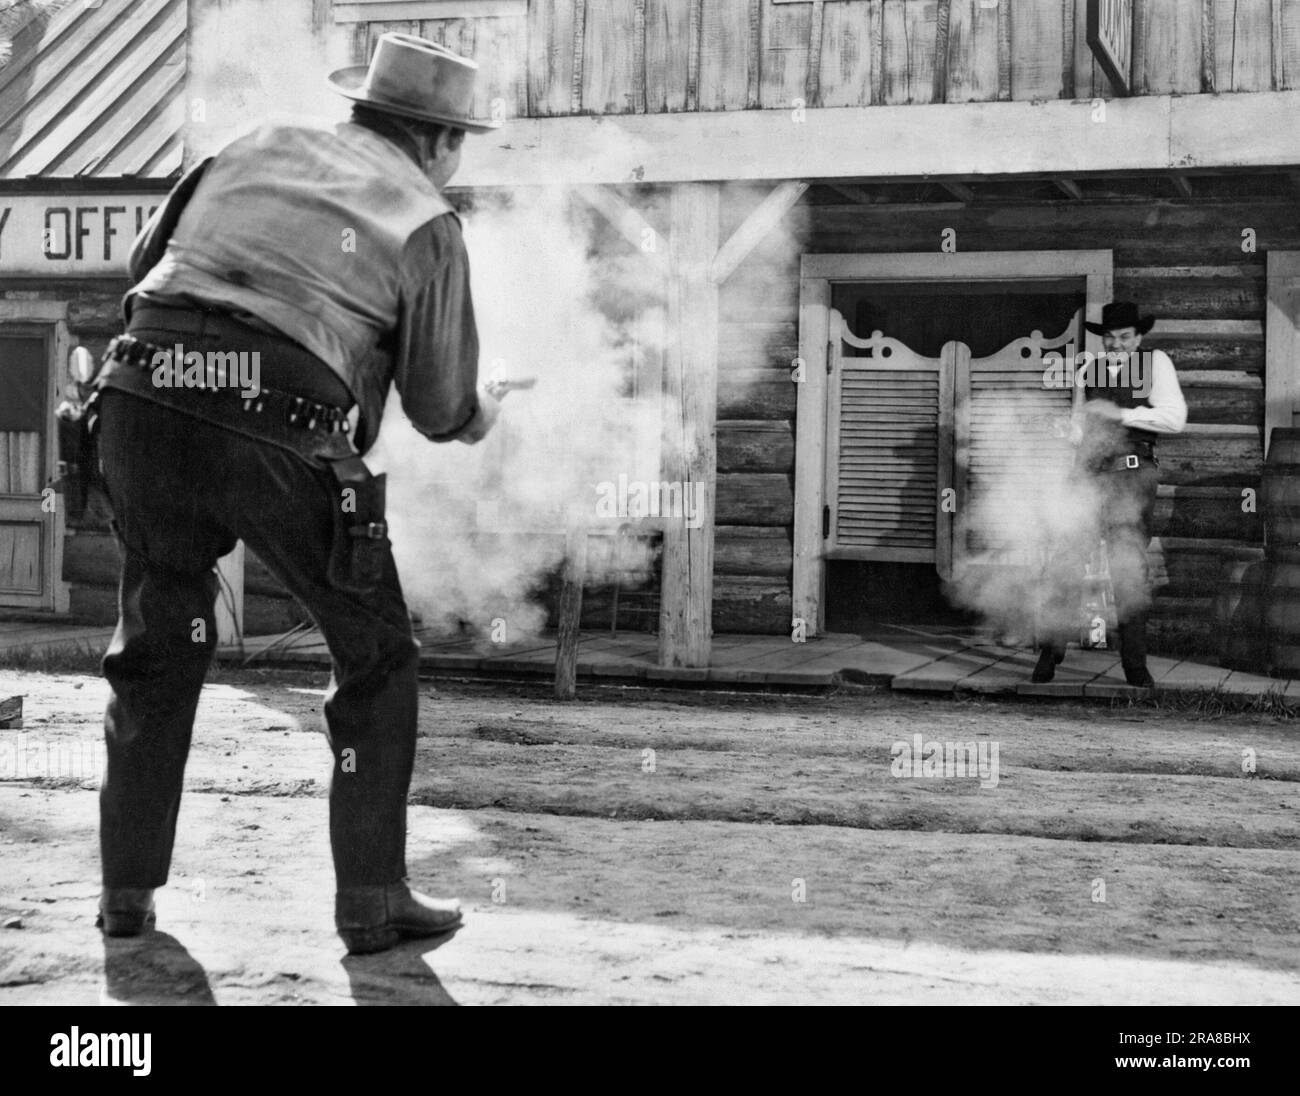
column 491, row 393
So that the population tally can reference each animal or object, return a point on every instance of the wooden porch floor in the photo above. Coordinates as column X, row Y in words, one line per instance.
column 909, row 658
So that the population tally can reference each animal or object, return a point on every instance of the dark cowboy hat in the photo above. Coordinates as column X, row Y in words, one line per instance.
column 415, row 78
column 1119, row 314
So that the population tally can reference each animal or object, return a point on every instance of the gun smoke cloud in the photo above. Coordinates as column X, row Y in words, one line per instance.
column 477, row 529
column 1034, row 522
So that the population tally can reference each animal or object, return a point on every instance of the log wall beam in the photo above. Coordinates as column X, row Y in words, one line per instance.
column 631, row 225
column 757, row 225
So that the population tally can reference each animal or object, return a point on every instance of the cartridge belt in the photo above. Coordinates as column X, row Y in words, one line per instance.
column 307, row 427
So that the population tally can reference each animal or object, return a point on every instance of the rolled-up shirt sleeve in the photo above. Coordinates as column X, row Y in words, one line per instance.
column 436, row 357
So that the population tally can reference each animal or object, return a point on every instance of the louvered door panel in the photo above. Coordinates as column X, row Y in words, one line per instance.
column 889, row 451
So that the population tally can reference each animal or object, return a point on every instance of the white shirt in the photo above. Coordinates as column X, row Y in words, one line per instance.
column 1168, row 411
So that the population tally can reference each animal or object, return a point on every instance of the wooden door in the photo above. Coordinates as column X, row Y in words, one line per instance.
column 889, row 450
column 28, row 514
column 921, row 452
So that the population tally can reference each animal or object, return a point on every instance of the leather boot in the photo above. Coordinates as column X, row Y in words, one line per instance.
column 371, row 919
column 1133, row 653
column 126, row 911
column 1048, row 659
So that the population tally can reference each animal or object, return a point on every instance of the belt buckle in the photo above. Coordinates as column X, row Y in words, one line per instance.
column 374, row 530
column 1131, row 460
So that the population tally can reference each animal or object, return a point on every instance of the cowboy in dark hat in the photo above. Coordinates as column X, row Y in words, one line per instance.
column 330, row 252
column 1131, row 397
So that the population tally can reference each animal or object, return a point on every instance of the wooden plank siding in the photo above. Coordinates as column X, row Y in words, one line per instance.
column 1181, row 260
column 658, row 56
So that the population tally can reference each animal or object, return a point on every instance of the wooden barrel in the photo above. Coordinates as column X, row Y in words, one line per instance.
column 1282, row 611
column 1280, row 490
column 1240, row 618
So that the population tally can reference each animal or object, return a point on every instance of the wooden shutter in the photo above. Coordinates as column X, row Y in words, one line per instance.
column 889, row 451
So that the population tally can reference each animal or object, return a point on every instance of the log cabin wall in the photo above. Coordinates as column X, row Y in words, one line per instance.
column 1182, row 260
column 655, row 56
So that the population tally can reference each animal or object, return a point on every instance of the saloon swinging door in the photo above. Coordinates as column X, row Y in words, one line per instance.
column 894, row 446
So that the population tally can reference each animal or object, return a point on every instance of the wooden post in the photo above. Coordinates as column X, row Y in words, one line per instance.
column 570, row 610
column 691, row 400
column 1282, row 346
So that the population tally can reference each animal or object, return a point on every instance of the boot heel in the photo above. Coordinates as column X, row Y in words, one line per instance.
column 368, row 941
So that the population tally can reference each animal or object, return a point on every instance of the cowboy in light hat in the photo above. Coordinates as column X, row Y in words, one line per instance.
column 329, row 253
column 1130, row 399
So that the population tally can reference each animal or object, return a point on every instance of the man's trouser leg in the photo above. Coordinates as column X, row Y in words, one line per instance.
column 165, row 637
column 1130, row 498
column 283, row 508
column 1058, row 612
column 372, row 707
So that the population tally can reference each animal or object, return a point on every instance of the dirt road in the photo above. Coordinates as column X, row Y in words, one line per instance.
column 658, row 847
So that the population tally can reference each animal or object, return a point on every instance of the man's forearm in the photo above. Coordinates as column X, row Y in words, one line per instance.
column 1159, row 420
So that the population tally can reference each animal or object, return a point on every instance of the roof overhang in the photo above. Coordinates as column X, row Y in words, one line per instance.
column 1148, row 133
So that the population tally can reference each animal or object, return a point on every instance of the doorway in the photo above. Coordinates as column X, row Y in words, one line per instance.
column 31, row 521
column 949, row 333
column 985, row 317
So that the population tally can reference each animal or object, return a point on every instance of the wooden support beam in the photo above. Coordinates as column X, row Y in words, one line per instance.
column 690, row 432
column 1181, row 184
column 1069, row 187
column 757, row 225
column 570, row 607
column 1282, row 345
column 960, row 191
column 631, row 225
column 854, row 193
column 963, row 140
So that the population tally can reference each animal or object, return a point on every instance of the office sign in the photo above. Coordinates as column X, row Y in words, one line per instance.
column 71, row 235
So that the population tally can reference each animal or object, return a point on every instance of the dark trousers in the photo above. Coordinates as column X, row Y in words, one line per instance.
column 1128, row 501
column 183, row 491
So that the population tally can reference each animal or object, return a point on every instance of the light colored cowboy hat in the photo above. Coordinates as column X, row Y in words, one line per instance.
column 415, row 78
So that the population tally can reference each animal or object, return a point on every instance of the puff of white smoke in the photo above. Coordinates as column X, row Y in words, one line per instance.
column 1038, row 521
column 478, row 530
